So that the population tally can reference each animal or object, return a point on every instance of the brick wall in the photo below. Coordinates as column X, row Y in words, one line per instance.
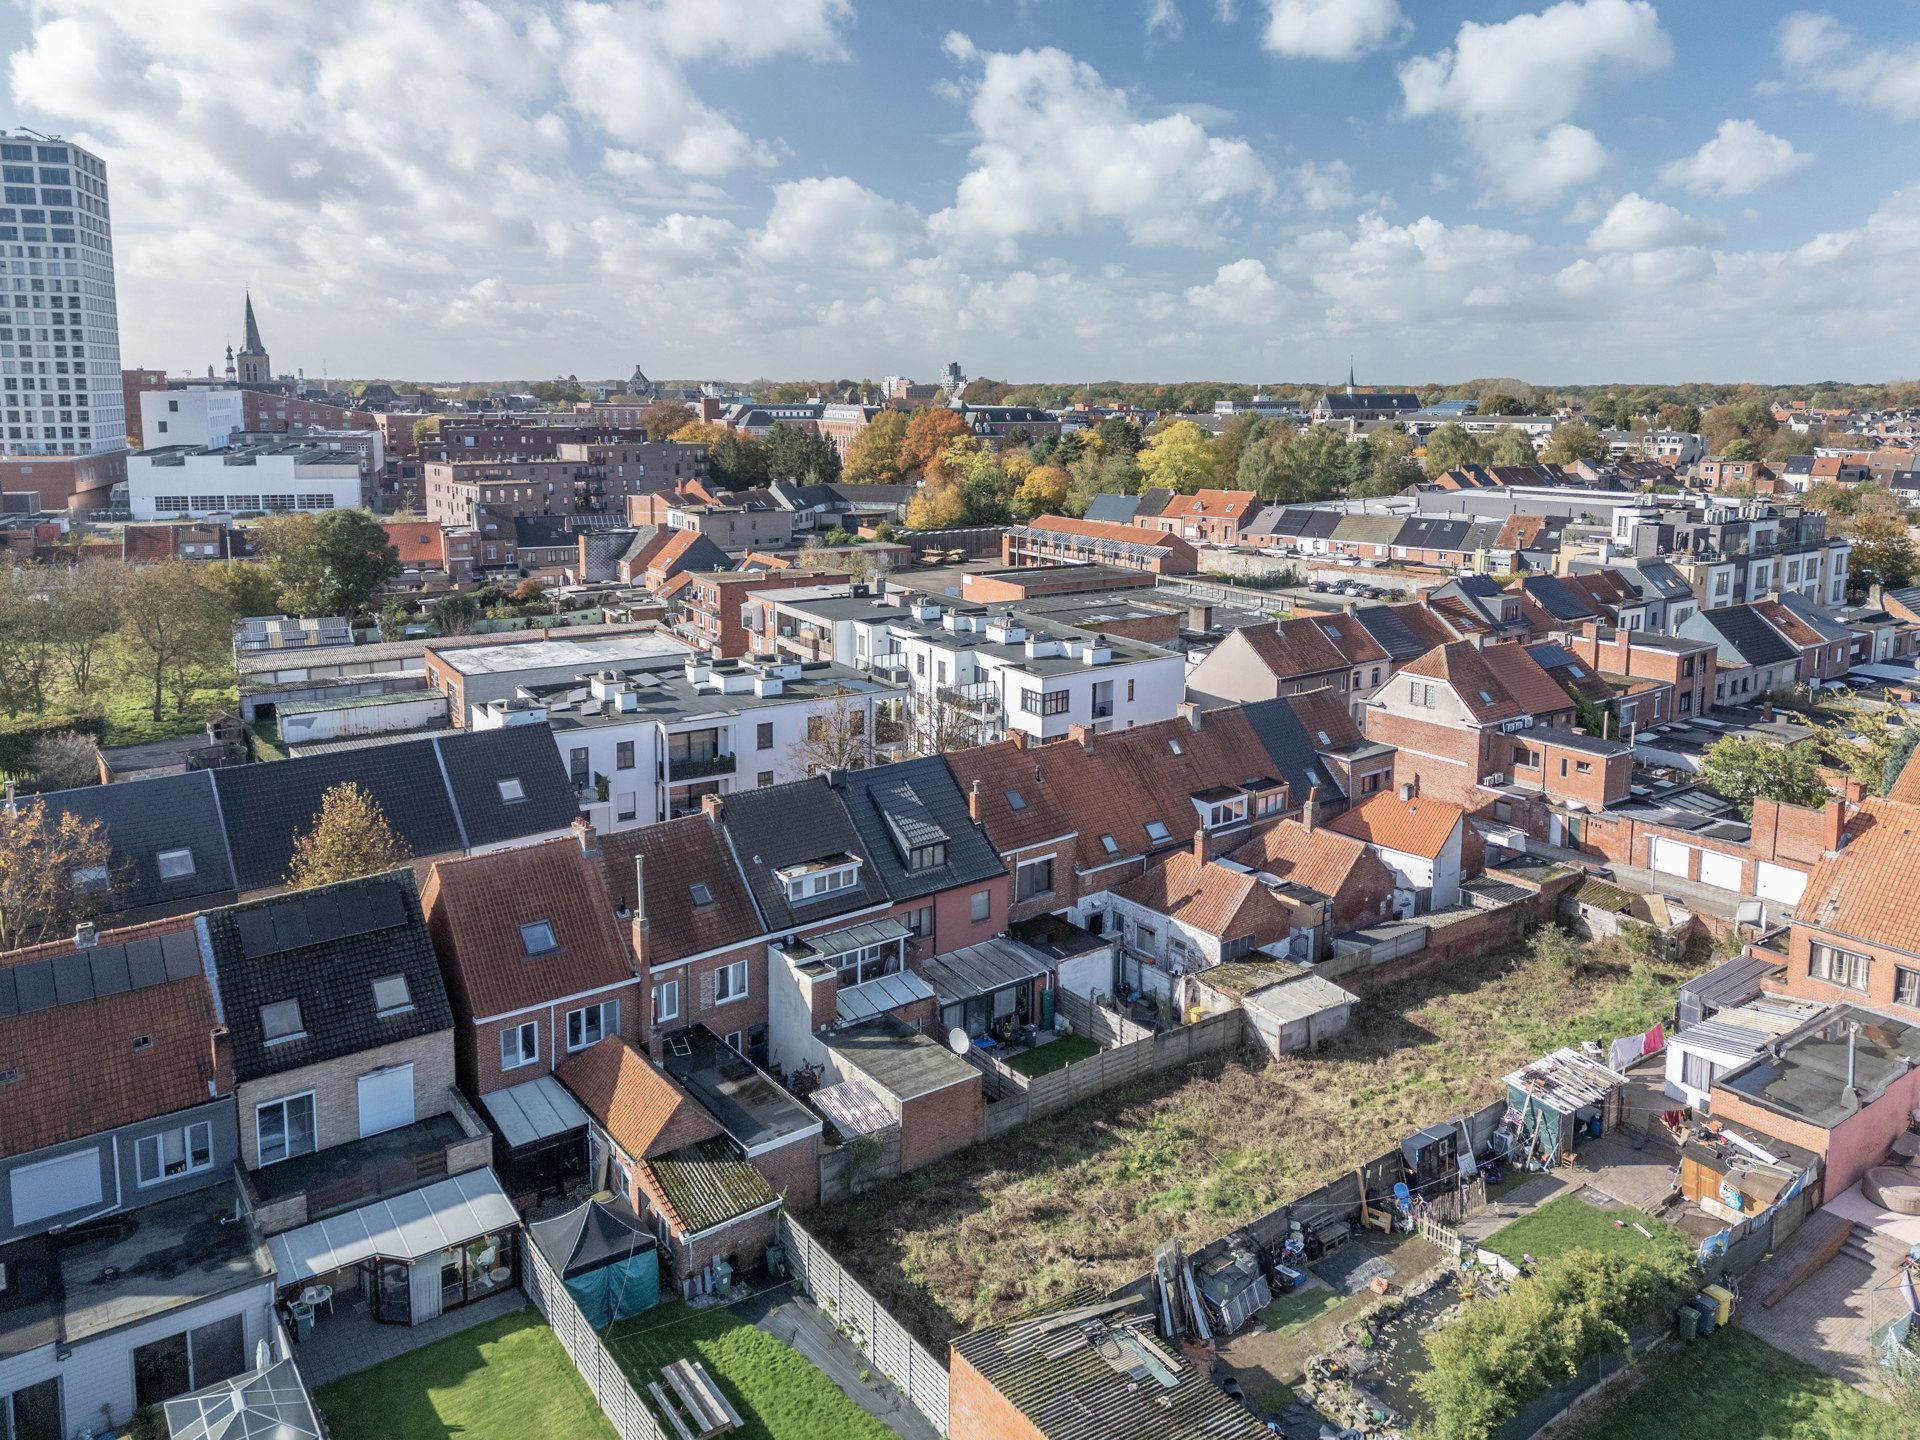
column 977, row 1411
column 743, row 1244
column 477, row 1045
column 940, row 1123
column 794, row 1171
column 336, row 1090
column 697, row 1005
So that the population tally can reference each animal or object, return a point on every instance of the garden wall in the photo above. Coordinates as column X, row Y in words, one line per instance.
column 920, row 1374
column 847, row 1170
column 612, row 1391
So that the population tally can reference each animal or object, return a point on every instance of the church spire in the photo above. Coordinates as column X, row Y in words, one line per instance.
column 1349, row 359
column 255, row 366
column 253, row 345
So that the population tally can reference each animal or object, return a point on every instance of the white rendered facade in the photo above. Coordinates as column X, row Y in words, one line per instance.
column 202, row 415
column 59, row 323
column 164, row 484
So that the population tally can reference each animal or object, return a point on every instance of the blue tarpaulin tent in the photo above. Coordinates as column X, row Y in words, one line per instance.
column 602, row 1252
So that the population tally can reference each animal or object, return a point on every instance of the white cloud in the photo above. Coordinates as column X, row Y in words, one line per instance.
column 1739, row 159
column 1323, row 186
column 1818, row 51
column 1513, row 87
column 1386, row 274
column 1164, row 18
column 1332, row 29
column 837, row 220
column 1241, row 293
column 1636, row 224
column 1059, row 149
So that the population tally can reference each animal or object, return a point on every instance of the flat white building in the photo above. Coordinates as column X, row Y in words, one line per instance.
column 59, row 325
column 270, row 479
column 647, row 742
column 203, row 416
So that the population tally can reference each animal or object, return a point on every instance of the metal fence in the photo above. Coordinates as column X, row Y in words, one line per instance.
column 611, row 1388
column 920, row 1374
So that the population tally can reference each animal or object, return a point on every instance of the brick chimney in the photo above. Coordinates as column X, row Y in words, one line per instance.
column 1190, row 712
column 714, row 807
column 583, row 836
column 1833, row 820
column 639, row 923
column 1019, row 738
column 1081, row 735
column 973, row 802
column 1201, row 844
column 1310, row 812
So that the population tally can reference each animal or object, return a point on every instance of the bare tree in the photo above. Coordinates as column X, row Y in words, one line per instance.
column 176, row 628
column 837, row 738
column 55, row 870
column 938, row 719
column 65, row 760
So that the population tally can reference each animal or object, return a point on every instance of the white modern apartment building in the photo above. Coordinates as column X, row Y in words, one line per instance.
column 974, row 674
column 205, row 416
column 59, row 326
column 272, row 478
column 648, row 742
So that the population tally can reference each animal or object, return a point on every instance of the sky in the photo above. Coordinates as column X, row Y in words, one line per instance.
column 1249, row 190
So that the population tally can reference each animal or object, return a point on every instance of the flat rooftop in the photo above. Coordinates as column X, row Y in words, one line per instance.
column 664, row 693
column 749, row 1106
column 608, row 650
column 899, row 1060
column 1803, row 1075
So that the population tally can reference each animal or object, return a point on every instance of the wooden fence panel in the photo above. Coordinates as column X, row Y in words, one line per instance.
column 612, row 1391
column 920, row 1374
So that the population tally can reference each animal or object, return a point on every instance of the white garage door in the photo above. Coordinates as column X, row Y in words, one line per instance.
column 1721, row 870
column 386, row 1100
column 55, row 1187
column 1670, row 857
column 1777, row 882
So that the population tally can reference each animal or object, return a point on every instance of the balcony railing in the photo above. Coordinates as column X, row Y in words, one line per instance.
column 701, row 769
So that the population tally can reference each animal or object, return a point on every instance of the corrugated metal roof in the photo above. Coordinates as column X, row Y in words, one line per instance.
column 984, row 968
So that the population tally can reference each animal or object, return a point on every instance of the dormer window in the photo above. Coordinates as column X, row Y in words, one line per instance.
column 536, row 938
column 927, row 857
column 814, row 881
column 174, row 864
column 1226, row 812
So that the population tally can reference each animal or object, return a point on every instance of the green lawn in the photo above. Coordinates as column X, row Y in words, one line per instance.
column 1732, row 1384
column 1296, row 1308
column 1056, row 1054
column 778, row 1392
column 1569, row 1223
column 505, row 1380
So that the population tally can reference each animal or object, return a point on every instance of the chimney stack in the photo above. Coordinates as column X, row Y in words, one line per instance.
column 85, row 935
column 1310, row 812
column 640, row 908
column 1833, row 823
column 1408, row 789
column 1081, row 735
column 1189, row 711
column 713, row 807
column 583, row 836
column 973, row 802
column 1200, row 844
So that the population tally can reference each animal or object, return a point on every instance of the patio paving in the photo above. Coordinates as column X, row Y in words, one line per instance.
column 1829, row 1319
column 349, row 1341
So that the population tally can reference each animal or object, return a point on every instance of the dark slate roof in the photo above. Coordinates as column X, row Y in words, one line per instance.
column 1550, row 592
column 1319, row 524
column 325, row 948
column 440, row 794
column 1396, row 400
column 541, row 532
column 914, row 802
column 1430, row 532
column 144, row 817
column 1383, row 622
column 1292, row 750
column 792, row 824
column 1116, row 509
column 1750, row 637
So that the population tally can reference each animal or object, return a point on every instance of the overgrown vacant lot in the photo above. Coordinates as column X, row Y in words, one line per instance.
column 1085, row 1196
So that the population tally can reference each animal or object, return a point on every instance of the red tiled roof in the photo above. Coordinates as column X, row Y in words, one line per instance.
column 1414, row 827
column 1320, row 859
column 1352, row 639
column 1212, row 504
column 1295, row 648
column 1466, row 671
column 82, row 1067
column 476, row 906
column 1216, row 899
column 1530, row 687
column 635, row 1101
column 675, row 856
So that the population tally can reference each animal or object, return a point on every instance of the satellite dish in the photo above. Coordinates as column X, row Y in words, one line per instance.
column 958, row 1042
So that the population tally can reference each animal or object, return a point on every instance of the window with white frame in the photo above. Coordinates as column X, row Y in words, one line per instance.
column 591, row 1024
column 1837, row 966
column 280, row 1021
column 666, row 1002
column 730, row 982
column 173, row 1153
column 1033, row 878
column 519, row 1045
column 285, row 1127
column 1226, row 812
column 812, row 884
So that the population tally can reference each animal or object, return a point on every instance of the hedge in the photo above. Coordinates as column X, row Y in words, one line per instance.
column 17, row 736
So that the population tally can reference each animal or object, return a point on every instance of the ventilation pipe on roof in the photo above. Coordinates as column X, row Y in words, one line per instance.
column 85, row 935
column 1850, row 1097
column 1408, row 789
column 973, row 802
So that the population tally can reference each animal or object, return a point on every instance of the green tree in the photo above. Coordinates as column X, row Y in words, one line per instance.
column 874, row 456
column 1502, row 405
column 1232, row 441
column 86, row 611
column 173, row 627
column 425, row 430
column 737, row 461
column 1449, row 447
column 454, row 614
column 1864, row 740
column 1741, row 449
column 796, row 454
column 349, row 837
column 1092, row 475
column 27, row 644
column 247, row 588
column 1743, row 768
column 333, row 563
column 1179, row 458
column 1118, row 436
column 1673, row 416
column 662, row 420
column 1788, row 443
column 1043, row 492
column 1512, row 447
column 1388, row 466
column 1573, row 440
column 1882, row 550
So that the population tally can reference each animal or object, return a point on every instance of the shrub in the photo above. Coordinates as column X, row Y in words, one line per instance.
column 1501, row 1354
column 17, row 737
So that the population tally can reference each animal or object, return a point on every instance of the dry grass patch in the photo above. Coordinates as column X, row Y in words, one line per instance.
column 1085, row 1196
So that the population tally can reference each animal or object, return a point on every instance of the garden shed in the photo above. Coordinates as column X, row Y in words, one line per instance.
column 1556, row 1102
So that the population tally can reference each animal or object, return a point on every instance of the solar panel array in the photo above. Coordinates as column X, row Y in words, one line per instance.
column 303, row 920
column 99, row 971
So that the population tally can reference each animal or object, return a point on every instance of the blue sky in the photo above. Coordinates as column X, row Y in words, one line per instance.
column 1583, row 191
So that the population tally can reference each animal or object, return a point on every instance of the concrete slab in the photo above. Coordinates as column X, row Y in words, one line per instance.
column 1829, row 1320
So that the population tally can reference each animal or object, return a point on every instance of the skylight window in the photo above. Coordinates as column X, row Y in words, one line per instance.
column 1485, row 699
column 392, row 995
column 90, row 878
column 702, row 895
column 1015, row 800
column 1323, row 737
column 511, row 790
column 536, row 937
column 1157, row 831
column 1175, row 746
column 175, row 864
column 1576, row 672
column 1109, row 844
column 280, row 1020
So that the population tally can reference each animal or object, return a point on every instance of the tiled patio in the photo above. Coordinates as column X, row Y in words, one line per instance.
column 348, row 1341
